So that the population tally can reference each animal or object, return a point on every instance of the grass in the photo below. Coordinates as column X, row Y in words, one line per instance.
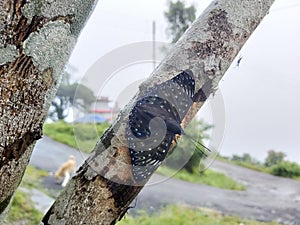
column 22, row 211
column 79, row 136
column 33, row 180
column 251, row 166
column 288, row 168
column 209, row 177
column 183, row 215
column 245, row 164
column 33, row 177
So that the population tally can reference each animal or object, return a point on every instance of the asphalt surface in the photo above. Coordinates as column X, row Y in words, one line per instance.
column 266, row 198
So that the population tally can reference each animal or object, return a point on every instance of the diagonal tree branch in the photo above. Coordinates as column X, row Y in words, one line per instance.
column 36, row 38
column 104, row 186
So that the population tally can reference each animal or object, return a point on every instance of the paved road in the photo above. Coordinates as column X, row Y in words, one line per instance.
column 266, row 198
column 49, row 155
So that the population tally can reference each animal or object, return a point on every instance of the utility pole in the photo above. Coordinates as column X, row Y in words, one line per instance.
column 153, row 44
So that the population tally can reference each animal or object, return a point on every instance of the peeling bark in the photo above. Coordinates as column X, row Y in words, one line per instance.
column 31, row 65
column 104, row 187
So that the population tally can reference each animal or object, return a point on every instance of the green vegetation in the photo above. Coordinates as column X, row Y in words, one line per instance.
column 79, row 136
column 182, row 215
column 189, row 151
column 274, row 158
column 189, row 156
column 286, row 169
column 179, row 18
column 249, row 165
column 22, row 211
column 207, row 177
column 274, row 164
column 33, row 177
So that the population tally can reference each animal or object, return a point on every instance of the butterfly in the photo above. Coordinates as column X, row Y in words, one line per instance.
column 155, row 120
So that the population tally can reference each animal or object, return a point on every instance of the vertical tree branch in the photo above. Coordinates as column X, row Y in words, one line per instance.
column 104, row 187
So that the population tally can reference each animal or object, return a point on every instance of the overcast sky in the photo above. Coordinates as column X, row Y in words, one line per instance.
column 260, row 96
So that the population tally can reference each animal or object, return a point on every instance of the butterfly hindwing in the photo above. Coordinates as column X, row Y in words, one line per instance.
column 146, row 161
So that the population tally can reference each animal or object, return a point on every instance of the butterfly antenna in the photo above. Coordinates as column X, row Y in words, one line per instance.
column 203, row 150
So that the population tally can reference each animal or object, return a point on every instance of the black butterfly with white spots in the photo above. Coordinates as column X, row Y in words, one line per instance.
column 155, row 120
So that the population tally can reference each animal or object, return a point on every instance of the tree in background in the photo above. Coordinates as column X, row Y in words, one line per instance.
column 246, row 157
column 274, row 158
column 76, row 95
column 179, row 18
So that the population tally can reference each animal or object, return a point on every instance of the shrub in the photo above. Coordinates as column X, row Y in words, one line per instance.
column 286, row 169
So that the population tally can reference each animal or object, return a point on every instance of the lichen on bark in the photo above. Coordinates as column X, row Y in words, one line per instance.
column 34, row 48
column 8, row 54
column 49, row 47
column 77, row 10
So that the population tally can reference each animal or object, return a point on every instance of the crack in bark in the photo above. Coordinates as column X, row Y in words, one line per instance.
column 15, row 150
column 5, row 203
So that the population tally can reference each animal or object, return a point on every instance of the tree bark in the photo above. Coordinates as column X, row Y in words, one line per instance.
column 36, row 38
column 104, row 187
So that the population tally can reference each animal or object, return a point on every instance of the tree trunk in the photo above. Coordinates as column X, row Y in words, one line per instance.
column 104, row 186
column 36, row 38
